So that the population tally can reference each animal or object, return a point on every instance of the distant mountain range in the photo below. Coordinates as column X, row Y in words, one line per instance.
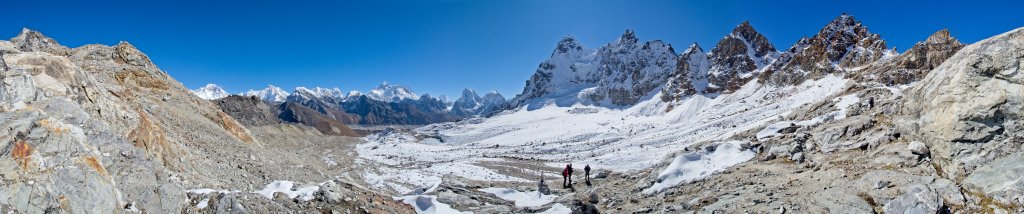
column 627, row 71
column 387, row 104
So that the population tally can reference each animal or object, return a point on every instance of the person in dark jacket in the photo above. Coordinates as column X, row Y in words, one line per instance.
column 570, row 176
column 586, row 170
column 565, row 175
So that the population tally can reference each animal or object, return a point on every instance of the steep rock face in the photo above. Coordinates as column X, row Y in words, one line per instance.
column 471, row 104
column 249, row 110
column 618, row 74
column 561, row 77
column 321, row 102
column 371, row 111
column 737, row 58
column 467, row 103
column 690, row 76
column 913, row 64
column 844, row 44
column 969, row 109
column 492, row 103
column 295, row 113
column 629, row 70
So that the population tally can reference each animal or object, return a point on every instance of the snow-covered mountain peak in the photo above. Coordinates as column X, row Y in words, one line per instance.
column 493, row 97
column 568, row 46
column 628, row 37
column 470, row 103
column 757, row 44
column 270, row 93
column 693, row 48
column 318, row 92
column 210, row 92
column 391, row 92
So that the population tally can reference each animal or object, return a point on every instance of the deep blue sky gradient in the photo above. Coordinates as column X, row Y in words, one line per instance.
column 442, row 46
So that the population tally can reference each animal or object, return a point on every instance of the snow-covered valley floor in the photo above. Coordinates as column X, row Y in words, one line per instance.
column 620, row 140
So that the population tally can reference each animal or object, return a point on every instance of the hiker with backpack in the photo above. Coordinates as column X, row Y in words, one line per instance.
column 586, row 170
column 570, row 176
column 565, row 176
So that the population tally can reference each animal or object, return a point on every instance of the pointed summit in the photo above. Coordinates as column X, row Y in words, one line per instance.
column 568, row 44
column 690, row 76
column 210, row 92
column 29, row 40
column 738, row 57
column 628, row 37
column 941, row 36
column 693, row 48
column 760, row 44
column 270, row 93
column 842, row 46
column 391, row 93
column 126, row 53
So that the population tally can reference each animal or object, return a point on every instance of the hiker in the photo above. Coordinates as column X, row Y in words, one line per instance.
column 586, row 169
column 565, row 175
column 570, row 176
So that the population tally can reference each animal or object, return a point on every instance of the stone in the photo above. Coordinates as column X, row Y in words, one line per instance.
column 918, row 148
column 918, row 198
column 798, row 157
column 881, row 184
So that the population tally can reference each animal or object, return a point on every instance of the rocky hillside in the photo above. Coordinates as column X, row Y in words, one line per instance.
column 101, row 129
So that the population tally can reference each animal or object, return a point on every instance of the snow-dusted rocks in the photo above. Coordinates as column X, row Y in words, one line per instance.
column 471, row 104
column 210, row 92
column 630, row 70
column 560, row 78
column 34, row 41
column 842, row 45
column 738, row 58
column 690, row 76
column 913, row 64
column 617, row 74
column 270, row 93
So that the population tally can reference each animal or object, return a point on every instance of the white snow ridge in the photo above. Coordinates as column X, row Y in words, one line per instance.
column 271, row 93
column 210, row 92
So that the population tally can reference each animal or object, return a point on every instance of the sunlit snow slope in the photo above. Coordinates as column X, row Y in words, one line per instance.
column 621, row 140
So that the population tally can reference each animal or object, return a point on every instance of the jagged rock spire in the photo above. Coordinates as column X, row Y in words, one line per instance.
column 628, row 37
column 126, row 53
column 736, row 58
column 690, row 76
column 29, row 40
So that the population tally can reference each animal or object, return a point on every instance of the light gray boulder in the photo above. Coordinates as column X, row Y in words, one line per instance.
column 919, row 199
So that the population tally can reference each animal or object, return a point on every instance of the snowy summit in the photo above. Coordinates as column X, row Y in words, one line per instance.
column 210, row 92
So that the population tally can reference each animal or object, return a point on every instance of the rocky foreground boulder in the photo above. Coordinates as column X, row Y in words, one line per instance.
column 970, row 112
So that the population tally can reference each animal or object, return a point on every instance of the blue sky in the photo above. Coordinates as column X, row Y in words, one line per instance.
column 442, row 46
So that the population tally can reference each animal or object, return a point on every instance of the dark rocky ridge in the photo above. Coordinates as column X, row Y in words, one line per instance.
column 844, row 44
column 913, row 64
